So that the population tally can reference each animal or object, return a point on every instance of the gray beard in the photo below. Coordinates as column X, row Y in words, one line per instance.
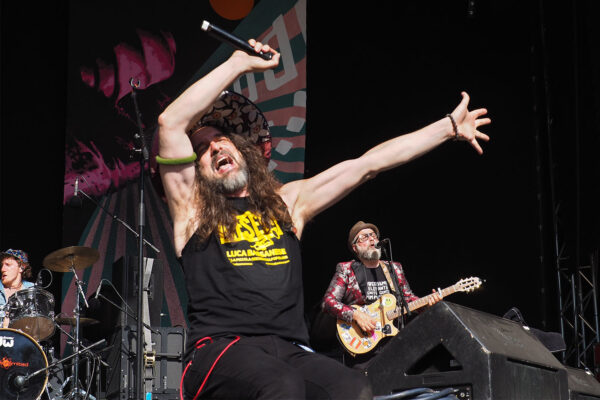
column 370, row 254
column 230, row 183
column 233, row 182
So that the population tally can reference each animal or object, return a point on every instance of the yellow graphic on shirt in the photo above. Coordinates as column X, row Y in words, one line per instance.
column 253, row 243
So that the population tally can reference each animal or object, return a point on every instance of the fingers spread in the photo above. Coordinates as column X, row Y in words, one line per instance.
column 482, row 121
column 476, row 146
column 482, row 136
column 479, row 112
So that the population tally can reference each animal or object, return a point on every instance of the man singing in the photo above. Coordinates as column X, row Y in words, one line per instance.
column 237, row 231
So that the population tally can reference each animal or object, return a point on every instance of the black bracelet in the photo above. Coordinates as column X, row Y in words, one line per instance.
column 454, row 127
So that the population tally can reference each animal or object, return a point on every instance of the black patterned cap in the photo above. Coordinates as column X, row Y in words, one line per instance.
column 234, row 113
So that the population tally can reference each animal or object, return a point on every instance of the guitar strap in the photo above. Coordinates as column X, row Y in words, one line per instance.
column 391, row 282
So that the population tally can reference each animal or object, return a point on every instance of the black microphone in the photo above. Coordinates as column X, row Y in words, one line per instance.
column 233, row 40
column 380, row 244
column 39, row 281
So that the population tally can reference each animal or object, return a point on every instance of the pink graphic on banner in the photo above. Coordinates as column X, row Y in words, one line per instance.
column 154, row 63
column 97, row 176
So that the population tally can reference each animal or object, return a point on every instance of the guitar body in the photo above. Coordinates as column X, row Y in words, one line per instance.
column 384, row 311
column 354, row 340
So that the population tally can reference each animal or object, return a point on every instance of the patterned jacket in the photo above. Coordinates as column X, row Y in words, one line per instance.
column 344, row 289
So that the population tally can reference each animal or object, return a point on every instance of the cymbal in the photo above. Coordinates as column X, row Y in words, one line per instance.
column 71, row 321
column 77, row 257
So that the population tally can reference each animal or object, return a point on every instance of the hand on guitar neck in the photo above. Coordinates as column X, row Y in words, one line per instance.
column 435, row 297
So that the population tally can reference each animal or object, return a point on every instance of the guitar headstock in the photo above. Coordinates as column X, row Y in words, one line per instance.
column 468, row 284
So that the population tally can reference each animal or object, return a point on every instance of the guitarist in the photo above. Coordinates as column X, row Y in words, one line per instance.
column 363, row 281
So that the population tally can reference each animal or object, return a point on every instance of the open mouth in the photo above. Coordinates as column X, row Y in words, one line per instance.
column 223, row 162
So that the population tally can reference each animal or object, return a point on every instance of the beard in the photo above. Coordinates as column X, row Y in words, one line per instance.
column 369, row 254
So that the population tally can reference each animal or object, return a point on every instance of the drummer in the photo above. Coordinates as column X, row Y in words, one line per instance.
column 15, row 269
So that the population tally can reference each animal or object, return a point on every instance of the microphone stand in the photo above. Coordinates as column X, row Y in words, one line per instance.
column 144, row 156
column 400, row 300
column 115, row 218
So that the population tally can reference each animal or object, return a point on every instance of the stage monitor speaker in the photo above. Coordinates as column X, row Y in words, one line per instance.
column 582, row 385
column 169, row 345
column 485, row 356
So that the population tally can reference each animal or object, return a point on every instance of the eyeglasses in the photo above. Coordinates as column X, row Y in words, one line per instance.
column 363, row 237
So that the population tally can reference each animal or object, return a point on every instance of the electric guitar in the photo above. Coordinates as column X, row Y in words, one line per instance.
column 384, row 311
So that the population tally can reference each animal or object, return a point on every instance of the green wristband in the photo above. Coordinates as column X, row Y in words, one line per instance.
column 176, row 161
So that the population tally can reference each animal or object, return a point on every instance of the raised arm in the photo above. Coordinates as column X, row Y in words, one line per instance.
column 306, row 198
column 181, row 115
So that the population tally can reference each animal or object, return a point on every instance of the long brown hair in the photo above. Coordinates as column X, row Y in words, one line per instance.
column 213, row 209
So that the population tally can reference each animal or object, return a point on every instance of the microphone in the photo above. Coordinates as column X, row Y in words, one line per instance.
column 76, row 187
column 76, row 201
column 233, row 40
column 20, row 381
column 380, row 244
column 39, row 280
column 98, row 290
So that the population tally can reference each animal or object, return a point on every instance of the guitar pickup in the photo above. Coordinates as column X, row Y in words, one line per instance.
column 387, row 329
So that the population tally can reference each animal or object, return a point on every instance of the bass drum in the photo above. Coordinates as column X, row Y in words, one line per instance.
column 21, row 356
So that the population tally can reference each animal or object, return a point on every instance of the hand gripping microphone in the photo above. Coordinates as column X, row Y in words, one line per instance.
column 233, row 40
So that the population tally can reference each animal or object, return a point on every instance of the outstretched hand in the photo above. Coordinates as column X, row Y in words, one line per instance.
column 468, row 122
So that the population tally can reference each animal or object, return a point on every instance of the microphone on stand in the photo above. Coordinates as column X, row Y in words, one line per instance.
column 233, row 40
column 380, row 244
column 20, row 381
column 98, row 290
column 96, row 304
column 39, row 280
column 76, row 201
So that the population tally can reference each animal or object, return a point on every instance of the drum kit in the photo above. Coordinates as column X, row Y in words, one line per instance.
column 28, row 368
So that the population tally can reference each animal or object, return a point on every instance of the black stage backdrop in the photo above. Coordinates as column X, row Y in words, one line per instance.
column 374, row 71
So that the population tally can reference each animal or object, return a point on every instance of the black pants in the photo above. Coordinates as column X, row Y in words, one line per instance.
column 267, row 367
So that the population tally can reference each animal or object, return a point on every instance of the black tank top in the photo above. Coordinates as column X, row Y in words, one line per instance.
column 248, row 285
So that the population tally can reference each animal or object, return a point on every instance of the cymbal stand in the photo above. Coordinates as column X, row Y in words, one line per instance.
column 76, row 311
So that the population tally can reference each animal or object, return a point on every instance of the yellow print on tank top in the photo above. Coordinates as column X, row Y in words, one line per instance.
column 252, row 243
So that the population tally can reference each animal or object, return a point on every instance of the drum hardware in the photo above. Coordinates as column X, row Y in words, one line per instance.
column 22, row 381
column 65, row 260
column 139, row 235
column 150, row 359
column 72, row 321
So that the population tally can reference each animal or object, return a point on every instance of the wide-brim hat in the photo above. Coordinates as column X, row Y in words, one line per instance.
column 357, row 227
column 233, row 113
column 18, row 254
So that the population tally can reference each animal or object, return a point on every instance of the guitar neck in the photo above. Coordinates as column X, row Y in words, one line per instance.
column 421, row 302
